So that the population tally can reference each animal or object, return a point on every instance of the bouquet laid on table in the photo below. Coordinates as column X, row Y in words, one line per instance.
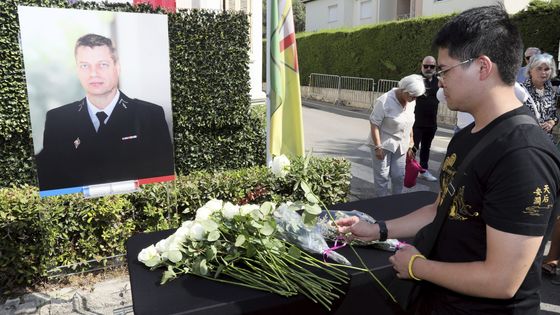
column 243, row 245
column 256, row 246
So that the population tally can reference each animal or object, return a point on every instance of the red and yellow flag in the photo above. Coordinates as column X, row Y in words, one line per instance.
column 285, row 125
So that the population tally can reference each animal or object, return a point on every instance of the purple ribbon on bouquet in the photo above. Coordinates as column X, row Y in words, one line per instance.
column 327, row 251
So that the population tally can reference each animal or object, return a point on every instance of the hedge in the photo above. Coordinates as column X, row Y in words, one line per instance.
column 395, row 49
column 209, row 56
column 39, row 234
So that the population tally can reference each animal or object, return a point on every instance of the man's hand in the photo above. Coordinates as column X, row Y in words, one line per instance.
column 401, row 259
column 353, row 228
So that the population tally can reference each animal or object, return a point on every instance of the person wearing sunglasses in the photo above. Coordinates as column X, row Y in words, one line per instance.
column 425, row 116
column 482, row 240
column 522, row 73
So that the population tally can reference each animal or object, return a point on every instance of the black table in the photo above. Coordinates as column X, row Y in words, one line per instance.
column 193, row 295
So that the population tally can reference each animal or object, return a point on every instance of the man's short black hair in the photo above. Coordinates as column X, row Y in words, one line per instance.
column 484, row 31
column 94, row 40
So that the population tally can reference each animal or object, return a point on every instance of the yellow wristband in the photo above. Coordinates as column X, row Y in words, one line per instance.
column 410, row 263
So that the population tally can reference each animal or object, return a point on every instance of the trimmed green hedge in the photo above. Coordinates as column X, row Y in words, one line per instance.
column 39, row 234
column 395, row 49
column 209, row 56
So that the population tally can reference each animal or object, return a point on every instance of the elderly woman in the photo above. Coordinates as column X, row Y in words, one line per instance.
column 391, row 133
column 540, row 70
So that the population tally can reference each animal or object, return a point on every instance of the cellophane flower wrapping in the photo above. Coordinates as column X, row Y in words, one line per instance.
column 292, row 228
column 327, row 228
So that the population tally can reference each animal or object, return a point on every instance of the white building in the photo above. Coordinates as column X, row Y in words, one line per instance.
column 331, row 14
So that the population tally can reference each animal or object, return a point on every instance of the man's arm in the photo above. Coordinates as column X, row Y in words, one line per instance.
column 403, row 227
column 508, row 259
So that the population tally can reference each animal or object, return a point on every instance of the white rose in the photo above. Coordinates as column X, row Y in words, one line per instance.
column 248, row 209
column 230, row 210
column 214, row 205
column 149, row 256
column 161, row 246
column 187, row 224
column 182, row 233
column 280, row 165
column 203, row 214
column 197, row 232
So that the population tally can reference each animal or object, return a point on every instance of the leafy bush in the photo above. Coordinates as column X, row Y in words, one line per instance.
column 39, row 234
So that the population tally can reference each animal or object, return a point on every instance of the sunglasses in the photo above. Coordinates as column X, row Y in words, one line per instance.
column 429, row 66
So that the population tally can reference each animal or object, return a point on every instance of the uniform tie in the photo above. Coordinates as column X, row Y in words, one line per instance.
column 101, row 116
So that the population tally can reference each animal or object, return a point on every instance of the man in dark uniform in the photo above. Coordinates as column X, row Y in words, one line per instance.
column 106, row 136
column 425, row 116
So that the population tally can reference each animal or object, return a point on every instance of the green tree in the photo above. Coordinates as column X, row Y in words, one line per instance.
column 299, row 16
column 540, row 4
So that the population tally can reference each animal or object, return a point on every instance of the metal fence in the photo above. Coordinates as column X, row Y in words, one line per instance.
column 342, row 90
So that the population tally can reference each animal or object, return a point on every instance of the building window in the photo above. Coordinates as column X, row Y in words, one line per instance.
column 333, row 13
column 366, row 9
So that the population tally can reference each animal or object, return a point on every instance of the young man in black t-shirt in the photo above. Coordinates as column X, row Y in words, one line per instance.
column 487, row 255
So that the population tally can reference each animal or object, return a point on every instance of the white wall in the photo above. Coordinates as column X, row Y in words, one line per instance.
column 387, row 10
column 365, row 12
column 317, row 14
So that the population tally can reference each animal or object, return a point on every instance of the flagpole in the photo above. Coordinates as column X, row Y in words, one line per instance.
column 268, row 38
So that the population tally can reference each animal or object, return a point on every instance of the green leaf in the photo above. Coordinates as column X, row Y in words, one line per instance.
column 213, row 236
column 295, row 252
column 240, row 240
column 311, row 198
column 268, row 228
column 305, row 187
column 211, row 252
column 308, row 219
column 266, row 208
column 313, row 209
column 168, row 275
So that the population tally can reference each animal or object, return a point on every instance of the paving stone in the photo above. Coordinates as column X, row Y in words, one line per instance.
column 39, row 299
column 11, row 303
column 26, row 308
column 56, row 309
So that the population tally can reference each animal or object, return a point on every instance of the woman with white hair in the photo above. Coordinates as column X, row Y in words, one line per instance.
column 540, row 70
column 390, row 137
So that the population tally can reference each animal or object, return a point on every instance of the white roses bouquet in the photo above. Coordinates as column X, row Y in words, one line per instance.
column 243, row 245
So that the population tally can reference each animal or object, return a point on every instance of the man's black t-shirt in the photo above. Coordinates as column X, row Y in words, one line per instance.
column 512, row 186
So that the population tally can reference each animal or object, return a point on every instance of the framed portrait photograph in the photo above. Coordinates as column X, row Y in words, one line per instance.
column 99, row 97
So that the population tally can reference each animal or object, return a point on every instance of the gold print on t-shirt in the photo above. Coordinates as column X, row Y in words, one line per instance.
column 459, row 209
column 541, row 201
column 448, row 173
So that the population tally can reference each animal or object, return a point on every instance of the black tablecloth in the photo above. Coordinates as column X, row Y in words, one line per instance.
column 192, row 295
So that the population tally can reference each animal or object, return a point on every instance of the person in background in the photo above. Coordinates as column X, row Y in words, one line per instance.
column 464, row 119
column 488, row 249
column 390, row 135
column 540, row 70
column 425, row 116
column 522, row 73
